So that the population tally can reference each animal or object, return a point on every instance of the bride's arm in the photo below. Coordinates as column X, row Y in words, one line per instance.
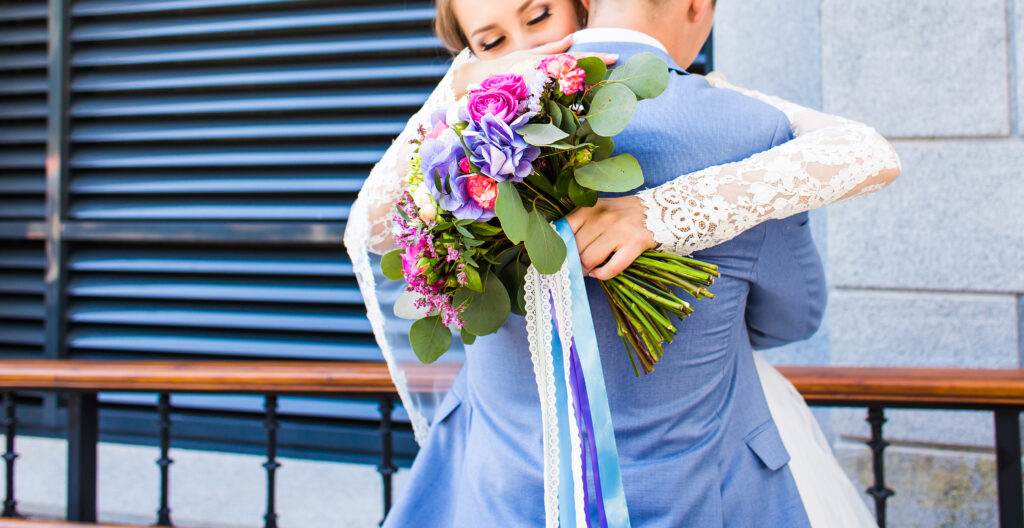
column 370, row 218
column 831, row 160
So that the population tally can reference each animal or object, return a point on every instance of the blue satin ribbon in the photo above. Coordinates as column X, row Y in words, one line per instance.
column 592, row 404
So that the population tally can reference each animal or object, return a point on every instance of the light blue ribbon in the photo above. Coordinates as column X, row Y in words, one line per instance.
column 585, row 339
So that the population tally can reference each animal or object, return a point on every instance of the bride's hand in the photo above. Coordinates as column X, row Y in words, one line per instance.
column 610, row 235
column 473, row 73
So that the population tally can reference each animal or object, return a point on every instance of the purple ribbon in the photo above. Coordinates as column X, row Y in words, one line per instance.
column 584, row 424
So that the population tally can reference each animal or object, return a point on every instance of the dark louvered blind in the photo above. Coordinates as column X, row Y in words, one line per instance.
column 23, row 88
column 204, row 158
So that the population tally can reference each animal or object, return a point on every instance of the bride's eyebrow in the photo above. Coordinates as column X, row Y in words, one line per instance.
column 488, row 27
column 525, row 6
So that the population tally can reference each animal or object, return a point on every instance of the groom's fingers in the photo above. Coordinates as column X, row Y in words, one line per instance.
column 608, row 58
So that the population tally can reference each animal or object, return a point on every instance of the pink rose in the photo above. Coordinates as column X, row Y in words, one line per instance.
column 464, row 166
column 563, row 68
column 483, row 190
column 498, row 103
column 510, row 83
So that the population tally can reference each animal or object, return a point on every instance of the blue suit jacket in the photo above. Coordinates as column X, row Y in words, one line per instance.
column 696, row 441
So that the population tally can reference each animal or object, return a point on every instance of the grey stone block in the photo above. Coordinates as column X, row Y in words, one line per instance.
column 933, row 487
column 917, row 68
column 772, row 47
column 952, row 221
column 873, row 328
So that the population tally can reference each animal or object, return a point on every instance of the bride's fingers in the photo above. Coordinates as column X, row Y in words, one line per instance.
column 608, row 58
column 552, row 48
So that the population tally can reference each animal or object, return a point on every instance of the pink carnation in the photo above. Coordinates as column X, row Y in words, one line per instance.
column 482, row 190
column 564, row 68
column 436, row 131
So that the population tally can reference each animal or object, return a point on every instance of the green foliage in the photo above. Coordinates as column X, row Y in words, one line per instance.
column 603, row 146
column 391, row 264
column 405, row 307
column 619, row 174
column 467, row 338
column 644, row 73
column 546, row 248
column 594, row 68
column 430, row 338
column 541, row 134
column 486, row 311
column 580, row 195
column 612, row 108
column 510, row 211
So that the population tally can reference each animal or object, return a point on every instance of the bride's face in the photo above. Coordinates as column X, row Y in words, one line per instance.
column 497, row 27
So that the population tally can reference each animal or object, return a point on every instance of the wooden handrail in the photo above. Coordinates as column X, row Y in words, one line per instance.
column 825, row 384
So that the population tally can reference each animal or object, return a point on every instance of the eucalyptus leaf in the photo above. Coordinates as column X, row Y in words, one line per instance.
column 594, row 68
column 473, row 279
column 603, row 146
column 619, row 174
column 391, row 264
column 546, row 248
column 644, row 73
column 430, row 338
column 467, row 338
column 569, row 121
column 483, row 228
column 511, row 212
column 405, row 307
column 555, row 111
column 541, row 134
column 581, row 196
column 484, row 312
column 611, row 109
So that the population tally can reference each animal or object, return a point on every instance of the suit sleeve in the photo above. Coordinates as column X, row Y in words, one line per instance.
column 788, row 294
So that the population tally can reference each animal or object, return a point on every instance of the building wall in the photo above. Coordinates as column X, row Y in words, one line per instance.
column 927, row 272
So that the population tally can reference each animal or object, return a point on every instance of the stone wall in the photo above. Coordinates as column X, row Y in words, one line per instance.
column 929, row 271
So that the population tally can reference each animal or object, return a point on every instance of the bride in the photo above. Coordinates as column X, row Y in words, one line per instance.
column 831, row 159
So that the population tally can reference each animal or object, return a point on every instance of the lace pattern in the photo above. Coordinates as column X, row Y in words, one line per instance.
column 369, row 230
column 538, row 325
column 833, row 159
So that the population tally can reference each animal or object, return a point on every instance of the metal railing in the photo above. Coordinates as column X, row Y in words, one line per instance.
column 877, row 389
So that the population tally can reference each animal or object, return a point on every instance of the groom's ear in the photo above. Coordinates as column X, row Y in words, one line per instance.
column 700, row 9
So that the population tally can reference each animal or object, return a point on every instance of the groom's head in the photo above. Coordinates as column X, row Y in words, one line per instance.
column 681, row 26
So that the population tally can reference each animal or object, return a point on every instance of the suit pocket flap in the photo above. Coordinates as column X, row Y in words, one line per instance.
column 767, row 445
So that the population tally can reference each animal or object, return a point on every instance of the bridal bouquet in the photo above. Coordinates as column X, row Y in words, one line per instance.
column 489, row 175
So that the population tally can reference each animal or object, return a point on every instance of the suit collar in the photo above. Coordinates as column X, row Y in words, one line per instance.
column 626, row 49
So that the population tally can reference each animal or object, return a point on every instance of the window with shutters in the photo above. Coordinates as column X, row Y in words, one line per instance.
column 203, row 158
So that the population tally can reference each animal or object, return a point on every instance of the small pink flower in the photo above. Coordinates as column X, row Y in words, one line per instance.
column 464, row 166
column 483, row 190
column 411, row 257
column 436, row 131
column 564, row 68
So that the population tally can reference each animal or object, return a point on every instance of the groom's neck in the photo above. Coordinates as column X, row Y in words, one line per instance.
column 680, row 35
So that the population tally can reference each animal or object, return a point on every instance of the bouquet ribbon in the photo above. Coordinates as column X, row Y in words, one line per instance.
column 580, row 391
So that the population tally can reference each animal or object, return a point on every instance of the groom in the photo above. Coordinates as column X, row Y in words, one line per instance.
column 697, row 443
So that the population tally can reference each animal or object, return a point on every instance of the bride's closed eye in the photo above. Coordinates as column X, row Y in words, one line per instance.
column 539, row 18
column 485, row 46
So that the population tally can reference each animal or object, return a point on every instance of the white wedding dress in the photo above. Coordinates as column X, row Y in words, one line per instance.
column 831, row 159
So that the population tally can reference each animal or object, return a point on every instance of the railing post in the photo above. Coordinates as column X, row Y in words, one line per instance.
column 83, row 437
column 271, row 465
column 164, row 408
column 1008, row 467
column 876, row 417
column 387, row 466
column 9, row 423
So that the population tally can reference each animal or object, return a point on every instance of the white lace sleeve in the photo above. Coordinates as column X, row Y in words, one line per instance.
column 831, row 159
column 370, row 217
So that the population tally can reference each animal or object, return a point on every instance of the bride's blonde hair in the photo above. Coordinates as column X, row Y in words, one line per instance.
column 446, row 26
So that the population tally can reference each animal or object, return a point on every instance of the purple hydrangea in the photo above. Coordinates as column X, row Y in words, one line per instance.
column 498, row 151
column 442, row 155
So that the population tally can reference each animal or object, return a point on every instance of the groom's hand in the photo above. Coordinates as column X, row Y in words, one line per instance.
column 610, row 235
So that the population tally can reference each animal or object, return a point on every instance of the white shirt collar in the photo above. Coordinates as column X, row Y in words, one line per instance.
column 589, row 35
